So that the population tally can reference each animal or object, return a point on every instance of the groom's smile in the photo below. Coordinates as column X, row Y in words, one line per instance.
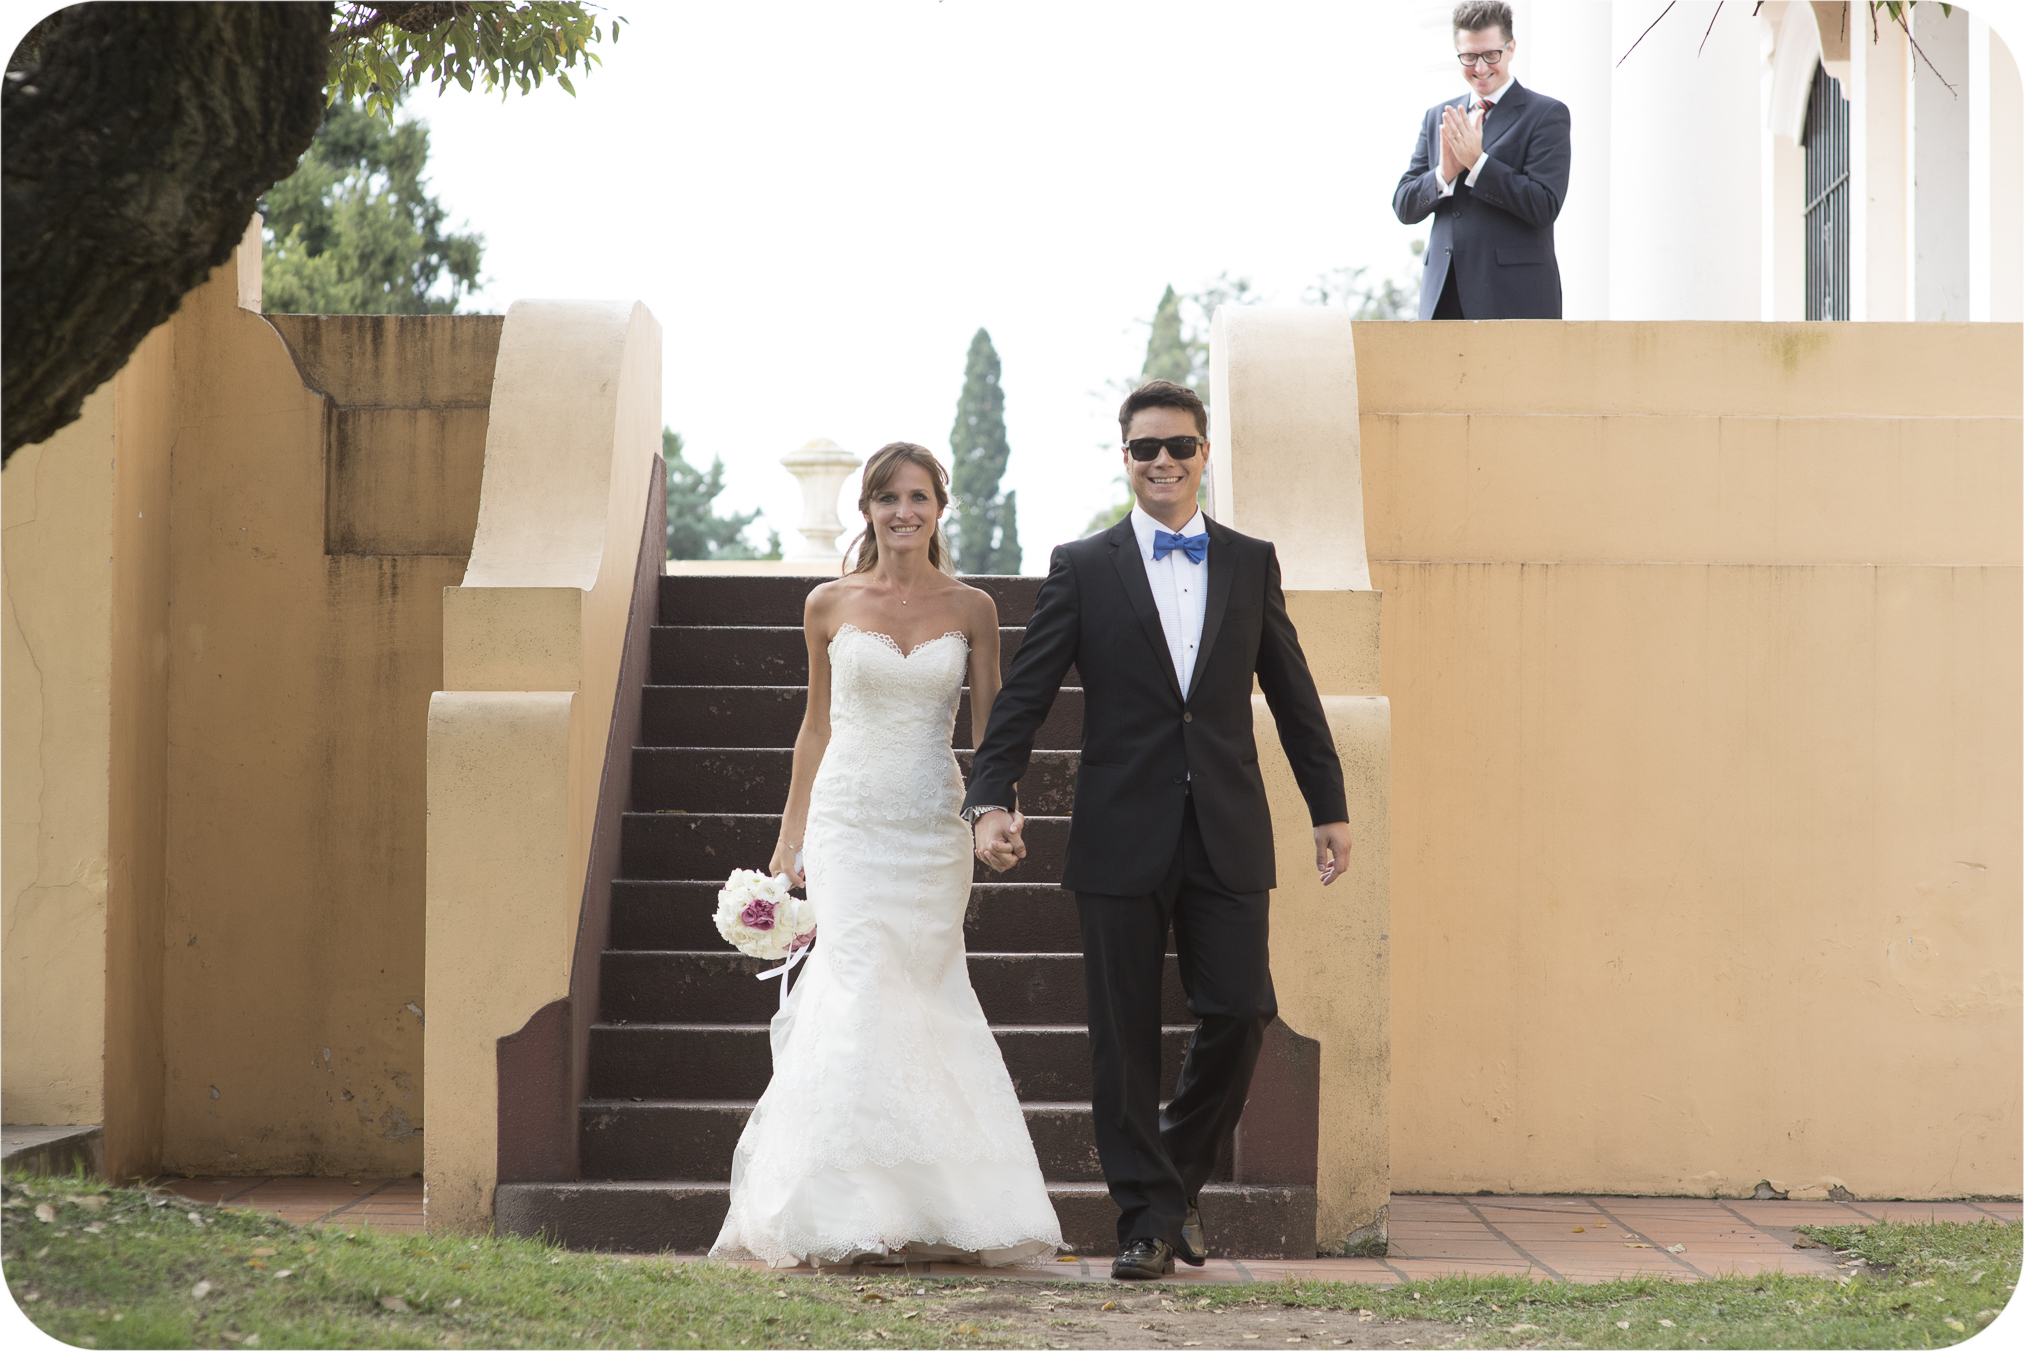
column 1164, row 486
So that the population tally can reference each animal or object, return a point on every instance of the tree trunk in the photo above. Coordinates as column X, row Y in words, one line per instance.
column 134, row 145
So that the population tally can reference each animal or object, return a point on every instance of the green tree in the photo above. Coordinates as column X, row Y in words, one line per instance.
column 138, row 137
column 354, row 231
column 695, row 530
column 983, row 523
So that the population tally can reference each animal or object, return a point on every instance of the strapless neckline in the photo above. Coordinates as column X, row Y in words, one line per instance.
column 893, row 643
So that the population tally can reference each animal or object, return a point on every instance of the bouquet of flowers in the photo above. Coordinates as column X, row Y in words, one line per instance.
column 760, row 917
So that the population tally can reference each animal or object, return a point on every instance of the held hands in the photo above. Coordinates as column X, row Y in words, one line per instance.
column 783, row 862
column 1000, row 839
column 1461, row 142
column 1331, row 850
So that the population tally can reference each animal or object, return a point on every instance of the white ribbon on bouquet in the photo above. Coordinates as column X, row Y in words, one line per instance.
column 793, row 958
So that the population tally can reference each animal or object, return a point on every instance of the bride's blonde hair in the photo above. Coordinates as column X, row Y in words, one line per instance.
column 878, row 472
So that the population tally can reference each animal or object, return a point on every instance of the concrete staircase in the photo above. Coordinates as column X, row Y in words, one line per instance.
column 679, row 1053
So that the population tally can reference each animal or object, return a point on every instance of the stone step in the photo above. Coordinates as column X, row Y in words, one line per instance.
column 1003, row 917
column 1241, row 1221
column 754, row 779
column 700, row 599
column 687, row 654
column 770, row 715
column 706, row 846
column 701, row 987
column 690, row 1062
column 626, row 1140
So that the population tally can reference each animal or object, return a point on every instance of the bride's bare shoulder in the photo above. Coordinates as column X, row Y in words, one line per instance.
column 976, row 606
column 826, row 598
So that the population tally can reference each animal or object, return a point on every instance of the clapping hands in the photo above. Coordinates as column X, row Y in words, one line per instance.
column 1461, row 142
column 1000, row 839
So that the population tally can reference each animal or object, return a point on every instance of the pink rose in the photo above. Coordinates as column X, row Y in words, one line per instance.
column 757, row 914
column 801, row 942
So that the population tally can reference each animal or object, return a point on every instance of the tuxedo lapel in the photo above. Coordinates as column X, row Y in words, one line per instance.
column 1504, row 116
column 1131, row 570
column 1222, row 569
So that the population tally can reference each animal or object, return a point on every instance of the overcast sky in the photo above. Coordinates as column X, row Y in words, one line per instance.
column 822, row 202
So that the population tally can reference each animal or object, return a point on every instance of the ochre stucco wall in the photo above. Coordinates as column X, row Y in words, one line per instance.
column 57, row 730
column 1703, row 649
column 293, row 968
column 137, row 884
column 244, row 994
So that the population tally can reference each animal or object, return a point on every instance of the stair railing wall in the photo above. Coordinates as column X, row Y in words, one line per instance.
column 544, row 1068
column 1286, row 465
column 535, row 644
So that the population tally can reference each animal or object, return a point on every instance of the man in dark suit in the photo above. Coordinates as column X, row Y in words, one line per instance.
column 1491, row 167
column 1168, row 616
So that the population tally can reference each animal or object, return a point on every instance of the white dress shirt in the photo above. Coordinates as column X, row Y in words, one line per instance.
column 1475, row 105
column 1180, row 590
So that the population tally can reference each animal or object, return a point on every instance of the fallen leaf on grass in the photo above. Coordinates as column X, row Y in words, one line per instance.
column 264, row 1252
column 1804, row 1242
column 1956, row 1324
column 94, row 1228
column 968, row 1329
column 911, row 1313
column 46, row 1213
column 93, row 1203
column 1623, row 1323
column 285, row 1271
column 196, row 1219
column 200, row 1289
column 1665, row 1322
column 256, row 1264
column 455, row 1302
column 394, row 1302
column 872, row 1297
column 1523, row 1327
column 1110, row 1304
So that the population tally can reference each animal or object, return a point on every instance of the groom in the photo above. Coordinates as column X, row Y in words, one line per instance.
column 1169, row 617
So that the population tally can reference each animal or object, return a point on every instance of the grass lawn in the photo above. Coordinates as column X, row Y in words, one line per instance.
column 99, row 1266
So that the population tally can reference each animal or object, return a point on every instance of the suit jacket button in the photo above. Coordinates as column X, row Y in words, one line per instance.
column 1187, row 717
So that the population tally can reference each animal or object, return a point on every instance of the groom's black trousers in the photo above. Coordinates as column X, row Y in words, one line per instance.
column 1154, row 1161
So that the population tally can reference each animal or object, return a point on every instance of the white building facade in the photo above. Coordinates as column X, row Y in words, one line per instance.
column 1692, row 196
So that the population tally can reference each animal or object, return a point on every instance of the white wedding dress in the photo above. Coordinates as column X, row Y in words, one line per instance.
column 890, row 1124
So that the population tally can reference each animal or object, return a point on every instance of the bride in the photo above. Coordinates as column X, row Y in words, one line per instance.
column 890, row 1130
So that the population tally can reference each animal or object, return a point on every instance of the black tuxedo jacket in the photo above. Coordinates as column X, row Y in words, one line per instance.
column 1498, row 235
column 1140, row 739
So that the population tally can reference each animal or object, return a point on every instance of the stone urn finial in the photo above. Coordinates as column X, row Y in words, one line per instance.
column 822, row 466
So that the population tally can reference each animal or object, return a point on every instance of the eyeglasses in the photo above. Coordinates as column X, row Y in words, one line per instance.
column 1149, row 447
column 1489, row 58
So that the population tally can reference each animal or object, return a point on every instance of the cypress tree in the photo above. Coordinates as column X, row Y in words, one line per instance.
column 983, row 523
column 1168, row 354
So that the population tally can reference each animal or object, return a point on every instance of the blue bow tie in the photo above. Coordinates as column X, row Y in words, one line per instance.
column 1196, row 547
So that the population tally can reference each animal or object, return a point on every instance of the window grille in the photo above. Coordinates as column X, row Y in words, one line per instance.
column 1827, row 205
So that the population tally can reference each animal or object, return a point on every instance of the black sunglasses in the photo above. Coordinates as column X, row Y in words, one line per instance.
column 1180, row 447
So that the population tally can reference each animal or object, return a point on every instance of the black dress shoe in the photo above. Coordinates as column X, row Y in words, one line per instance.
column 1143, row 1259
column 1194, row 1249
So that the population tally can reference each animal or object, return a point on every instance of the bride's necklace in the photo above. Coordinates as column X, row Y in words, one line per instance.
column 896, row 591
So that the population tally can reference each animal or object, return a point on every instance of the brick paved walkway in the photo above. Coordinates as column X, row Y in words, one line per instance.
column 1572, row 1238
